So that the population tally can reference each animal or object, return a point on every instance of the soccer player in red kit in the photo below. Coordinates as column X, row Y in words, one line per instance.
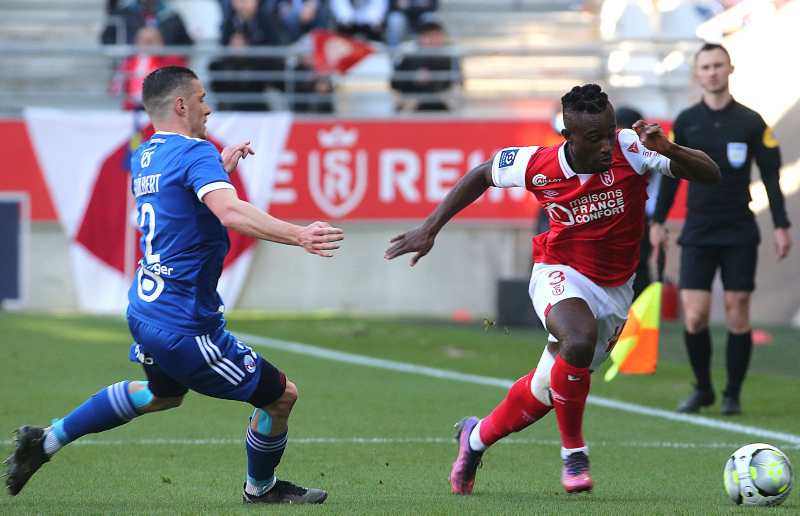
column 593, row 188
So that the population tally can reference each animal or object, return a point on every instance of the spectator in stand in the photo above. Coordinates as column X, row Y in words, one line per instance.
column 316, row 90
column 299, row 17
column 145, row 13
column 429, row 87
column 128, row 78
column 247, row 25
column 407, row 16
column 360, row 18
column 248, row 17
column 236, row 64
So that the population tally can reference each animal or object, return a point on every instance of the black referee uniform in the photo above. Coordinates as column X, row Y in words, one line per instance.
column 719, row 215
column 720, row 230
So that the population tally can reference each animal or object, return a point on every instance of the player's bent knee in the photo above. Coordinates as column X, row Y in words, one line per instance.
column 289, row 397
column 159, row 404
column 283, row 406
column 578, row 351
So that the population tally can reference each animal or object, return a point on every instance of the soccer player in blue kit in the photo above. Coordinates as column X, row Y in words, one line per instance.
column 185, row 204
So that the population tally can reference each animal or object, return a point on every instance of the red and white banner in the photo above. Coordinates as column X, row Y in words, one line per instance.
column 83, row 156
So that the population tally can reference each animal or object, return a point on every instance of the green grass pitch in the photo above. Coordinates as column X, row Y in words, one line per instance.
column 380, row 440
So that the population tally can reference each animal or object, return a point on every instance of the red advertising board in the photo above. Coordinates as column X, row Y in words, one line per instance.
column 388, row 170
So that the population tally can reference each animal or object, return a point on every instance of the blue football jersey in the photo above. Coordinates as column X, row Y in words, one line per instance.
column 183, row 242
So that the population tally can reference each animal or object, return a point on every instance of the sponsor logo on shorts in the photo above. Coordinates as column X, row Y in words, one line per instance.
column 249, row 364
column 507, row 157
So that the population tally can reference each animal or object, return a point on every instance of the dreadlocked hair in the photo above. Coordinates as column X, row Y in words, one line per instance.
column 585, row 99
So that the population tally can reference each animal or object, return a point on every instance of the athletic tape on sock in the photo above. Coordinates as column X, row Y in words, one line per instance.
column 142, row 397
column 264, row 422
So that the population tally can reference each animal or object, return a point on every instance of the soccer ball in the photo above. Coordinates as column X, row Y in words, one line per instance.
column 758, row 474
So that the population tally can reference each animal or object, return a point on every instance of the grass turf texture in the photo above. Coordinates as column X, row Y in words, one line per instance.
column 379, row 441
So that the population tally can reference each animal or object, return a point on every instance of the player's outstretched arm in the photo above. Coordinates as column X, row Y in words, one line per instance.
column 241, row 216
column 690, row 164
column 420, row 239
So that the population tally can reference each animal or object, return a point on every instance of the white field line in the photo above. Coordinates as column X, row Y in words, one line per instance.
column 390, row 440
column 350, row 358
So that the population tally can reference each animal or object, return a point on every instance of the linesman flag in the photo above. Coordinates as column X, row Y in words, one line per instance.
column 636, row 351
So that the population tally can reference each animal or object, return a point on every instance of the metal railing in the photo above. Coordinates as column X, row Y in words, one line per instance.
column 493, row 80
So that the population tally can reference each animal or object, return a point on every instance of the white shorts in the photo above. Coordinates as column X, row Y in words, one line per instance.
column 553, row 283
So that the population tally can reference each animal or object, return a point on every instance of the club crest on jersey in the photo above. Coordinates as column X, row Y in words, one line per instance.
column 634, row 148
column 507, row 157
column 737, row 154
column 249, row 364
column 607, row 177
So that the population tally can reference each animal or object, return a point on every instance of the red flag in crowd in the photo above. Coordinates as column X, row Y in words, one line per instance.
column 336, row 53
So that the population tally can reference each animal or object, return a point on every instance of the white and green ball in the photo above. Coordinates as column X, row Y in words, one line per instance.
column 758, row 474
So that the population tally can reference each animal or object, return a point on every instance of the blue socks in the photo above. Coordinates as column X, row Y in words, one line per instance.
column 264, row 453
column 109, row 408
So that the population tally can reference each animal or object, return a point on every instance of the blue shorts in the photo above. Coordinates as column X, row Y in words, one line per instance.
column 215, row 364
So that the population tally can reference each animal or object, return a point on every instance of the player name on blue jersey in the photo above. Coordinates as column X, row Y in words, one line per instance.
column 145, row 184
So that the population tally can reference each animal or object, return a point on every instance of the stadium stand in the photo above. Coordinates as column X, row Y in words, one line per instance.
column 517, row 57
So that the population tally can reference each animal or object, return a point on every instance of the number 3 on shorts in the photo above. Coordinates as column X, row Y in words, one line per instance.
column 556, row 277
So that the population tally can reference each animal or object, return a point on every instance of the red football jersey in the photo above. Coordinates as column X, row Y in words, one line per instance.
column 596, row 220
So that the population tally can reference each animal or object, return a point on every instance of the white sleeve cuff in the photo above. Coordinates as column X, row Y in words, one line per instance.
column 210, row 187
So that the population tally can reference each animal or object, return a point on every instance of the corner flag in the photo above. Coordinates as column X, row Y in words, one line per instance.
column 637, row 348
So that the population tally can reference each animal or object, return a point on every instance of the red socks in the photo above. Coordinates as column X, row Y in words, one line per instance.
column 569, row 387
column 519, row 410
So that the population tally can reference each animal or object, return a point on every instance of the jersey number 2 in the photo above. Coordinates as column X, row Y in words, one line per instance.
column 149, row 287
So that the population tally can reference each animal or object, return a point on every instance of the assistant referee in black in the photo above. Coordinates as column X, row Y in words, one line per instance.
column 720, row 230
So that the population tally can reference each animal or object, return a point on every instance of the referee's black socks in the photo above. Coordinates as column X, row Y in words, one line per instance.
column 698, row 345
column 740, row 347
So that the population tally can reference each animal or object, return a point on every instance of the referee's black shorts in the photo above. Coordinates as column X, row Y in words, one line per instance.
column 737, row 264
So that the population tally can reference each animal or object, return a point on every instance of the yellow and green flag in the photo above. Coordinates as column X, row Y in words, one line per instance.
column 637, row 348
